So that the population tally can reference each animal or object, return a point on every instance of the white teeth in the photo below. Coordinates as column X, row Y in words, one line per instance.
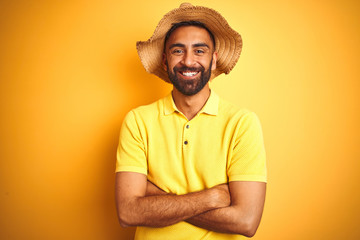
column 189, row 74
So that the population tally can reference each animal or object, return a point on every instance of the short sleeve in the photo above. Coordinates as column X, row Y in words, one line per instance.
column 248, row 159
column 131, row 154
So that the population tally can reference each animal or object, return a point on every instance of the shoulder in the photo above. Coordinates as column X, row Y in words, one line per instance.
column 238, row 119
column 231, row 111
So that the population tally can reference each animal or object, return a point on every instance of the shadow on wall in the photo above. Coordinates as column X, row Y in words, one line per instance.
column 137, row 87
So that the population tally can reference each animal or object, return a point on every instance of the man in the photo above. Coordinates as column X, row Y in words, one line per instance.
column 191, row 166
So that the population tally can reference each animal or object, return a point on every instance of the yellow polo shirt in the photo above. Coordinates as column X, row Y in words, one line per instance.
column 221, row 143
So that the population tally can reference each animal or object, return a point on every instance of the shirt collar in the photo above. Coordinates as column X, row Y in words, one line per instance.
column 211, row 106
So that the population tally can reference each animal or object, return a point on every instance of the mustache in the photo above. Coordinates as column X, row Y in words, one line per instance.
column 188, row 69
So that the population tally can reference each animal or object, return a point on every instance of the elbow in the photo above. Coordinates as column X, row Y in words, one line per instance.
column 249, row 232
column 125, row 225
column 124, row 222
column 127, row 213
column 126, row 218
column 247, row 228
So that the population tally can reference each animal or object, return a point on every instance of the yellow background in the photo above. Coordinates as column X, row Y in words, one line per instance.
column 69, row 72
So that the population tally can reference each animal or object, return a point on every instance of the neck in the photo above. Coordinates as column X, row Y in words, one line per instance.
column 191, row 105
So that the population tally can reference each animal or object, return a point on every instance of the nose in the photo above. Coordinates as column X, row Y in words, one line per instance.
column 188, row 59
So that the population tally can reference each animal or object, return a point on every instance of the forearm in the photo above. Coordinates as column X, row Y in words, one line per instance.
column 225, row 220
column 164, row 210
column 242, row 217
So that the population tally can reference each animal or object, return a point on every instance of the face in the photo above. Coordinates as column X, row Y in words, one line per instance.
column 189, row 58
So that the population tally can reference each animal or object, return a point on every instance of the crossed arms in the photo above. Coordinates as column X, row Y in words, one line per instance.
column 235, row 207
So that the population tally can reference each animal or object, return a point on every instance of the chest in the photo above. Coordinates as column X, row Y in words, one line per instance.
column 185, row 156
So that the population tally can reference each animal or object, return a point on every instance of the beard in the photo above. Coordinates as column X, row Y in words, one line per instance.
column 193, row 86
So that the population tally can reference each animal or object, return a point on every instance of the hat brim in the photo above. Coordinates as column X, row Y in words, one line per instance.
column 228, row 42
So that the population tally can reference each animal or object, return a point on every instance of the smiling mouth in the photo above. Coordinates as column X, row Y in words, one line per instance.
column 189, row 74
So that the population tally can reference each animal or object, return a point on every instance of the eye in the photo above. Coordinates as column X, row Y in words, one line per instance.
column 199, row 51
column 177, row 51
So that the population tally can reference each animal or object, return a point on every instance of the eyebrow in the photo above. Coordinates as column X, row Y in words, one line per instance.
column 200, row 45
column 194, row 45
column 176, row 45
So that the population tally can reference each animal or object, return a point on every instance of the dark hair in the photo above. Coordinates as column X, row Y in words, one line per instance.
column 188, row 23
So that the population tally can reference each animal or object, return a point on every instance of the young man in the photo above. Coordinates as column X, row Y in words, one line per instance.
column 191, row 166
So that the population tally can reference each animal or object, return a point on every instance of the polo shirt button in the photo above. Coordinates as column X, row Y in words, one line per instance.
column 186, row 142
column 187, row 126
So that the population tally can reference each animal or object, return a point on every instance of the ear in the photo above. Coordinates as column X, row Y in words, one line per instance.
column 164, row 61
column 214, row 60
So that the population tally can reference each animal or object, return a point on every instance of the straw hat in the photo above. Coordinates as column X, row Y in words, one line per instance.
column 228, row 42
